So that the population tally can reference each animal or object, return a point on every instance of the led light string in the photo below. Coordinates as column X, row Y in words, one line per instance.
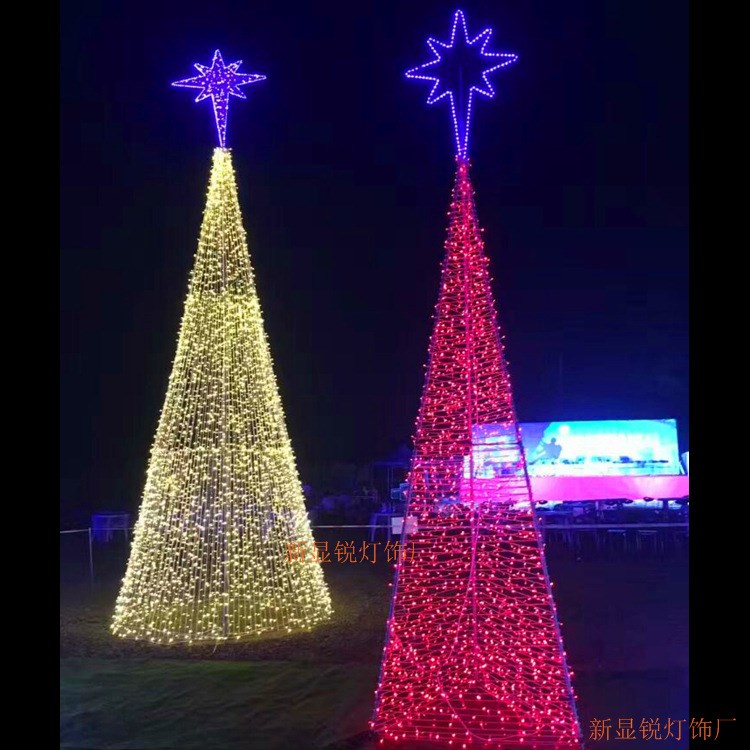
column 471, row 416
column 473, row 655
column 223, row 499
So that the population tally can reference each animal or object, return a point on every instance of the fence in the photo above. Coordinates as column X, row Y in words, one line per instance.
column 90, row 545
column 87, row 538
column 83, row 556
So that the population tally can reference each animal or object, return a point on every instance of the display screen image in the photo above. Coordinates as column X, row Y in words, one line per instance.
column 637, row 447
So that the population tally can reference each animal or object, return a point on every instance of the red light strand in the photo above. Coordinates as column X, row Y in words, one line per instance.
column 473, row 654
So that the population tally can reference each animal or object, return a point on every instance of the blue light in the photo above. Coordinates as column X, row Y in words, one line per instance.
column 458, row 71
column 219, row 82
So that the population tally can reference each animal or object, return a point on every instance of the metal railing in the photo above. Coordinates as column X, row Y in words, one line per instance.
column 569, row 528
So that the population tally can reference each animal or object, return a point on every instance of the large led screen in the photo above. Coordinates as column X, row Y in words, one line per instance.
column 638, row 447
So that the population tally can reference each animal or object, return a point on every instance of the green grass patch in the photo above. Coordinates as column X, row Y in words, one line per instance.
column 201, row 705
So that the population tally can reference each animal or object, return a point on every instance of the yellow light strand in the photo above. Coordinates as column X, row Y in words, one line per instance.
column 223, row 499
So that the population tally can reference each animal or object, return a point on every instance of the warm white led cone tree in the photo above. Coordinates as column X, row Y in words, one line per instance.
column 223, row 501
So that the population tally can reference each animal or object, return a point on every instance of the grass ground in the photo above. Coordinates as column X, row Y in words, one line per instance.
column 625, row 630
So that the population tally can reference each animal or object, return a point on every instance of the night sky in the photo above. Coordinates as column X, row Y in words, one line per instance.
column 580, row 169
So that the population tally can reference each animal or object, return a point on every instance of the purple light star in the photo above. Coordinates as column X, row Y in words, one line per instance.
column 458, row 71
column 219, row 82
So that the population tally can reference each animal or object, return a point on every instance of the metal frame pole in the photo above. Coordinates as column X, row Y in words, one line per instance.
column 91, row 556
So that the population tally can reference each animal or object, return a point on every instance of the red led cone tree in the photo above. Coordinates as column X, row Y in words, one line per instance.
column 473, row 649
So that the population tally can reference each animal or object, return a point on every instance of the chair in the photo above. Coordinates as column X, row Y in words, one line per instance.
column 398, row 494
column 682, row 539
column 381, row 517
column 328, row 504
column 649, row 537
column 266, row 525
column 617, row 540
column 557, row 537
column 104, row 525
column 686, row 461
column 586, row 540
column 397, row 525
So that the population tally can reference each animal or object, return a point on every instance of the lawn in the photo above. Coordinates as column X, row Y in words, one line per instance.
column 172, row 704
column 626, row 638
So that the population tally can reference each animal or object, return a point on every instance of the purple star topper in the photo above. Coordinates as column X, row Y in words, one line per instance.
column 219, row 82
column 460, row 70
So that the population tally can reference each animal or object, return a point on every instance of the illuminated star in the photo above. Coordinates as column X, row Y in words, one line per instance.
column 219, row 82
column 460, row 70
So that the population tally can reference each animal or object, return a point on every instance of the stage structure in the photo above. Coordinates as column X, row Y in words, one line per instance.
column 473, row 654
column 223, row 501
column 637, row 460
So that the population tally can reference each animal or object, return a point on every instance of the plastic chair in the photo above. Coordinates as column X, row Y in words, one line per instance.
column 617, row 540
column 376, row 519
column 397, row 525
column 651, row 537
column 104, row 525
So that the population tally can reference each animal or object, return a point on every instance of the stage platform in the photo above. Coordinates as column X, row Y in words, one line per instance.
column 564, row 489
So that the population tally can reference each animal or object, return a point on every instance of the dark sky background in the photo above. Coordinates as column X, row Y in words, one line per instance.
column 580, row 170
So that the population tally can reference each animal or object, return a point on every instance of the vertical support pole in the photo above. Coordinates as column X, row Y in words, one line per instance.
column 91, row 556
